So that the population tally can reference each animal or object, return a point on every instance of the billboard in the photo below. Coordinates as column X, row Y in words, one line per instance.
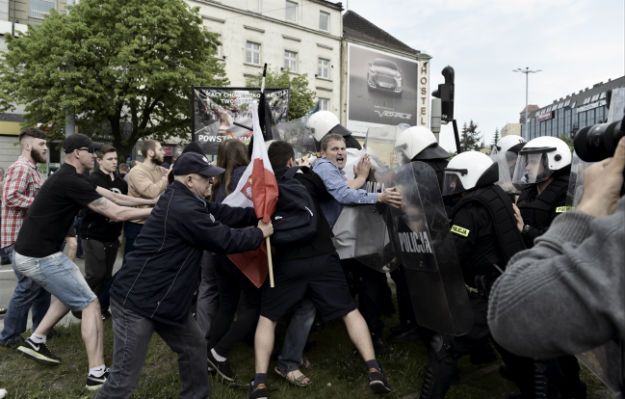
column 221, row 113
column 382, row 89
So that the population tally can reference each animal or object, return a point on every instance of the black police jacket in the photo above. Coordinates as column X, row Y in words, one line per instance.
column 158, row 278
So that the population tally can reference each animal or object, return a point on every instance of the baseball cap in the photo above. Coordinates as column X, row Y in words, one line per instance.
column 192, row 162
column 77, row 141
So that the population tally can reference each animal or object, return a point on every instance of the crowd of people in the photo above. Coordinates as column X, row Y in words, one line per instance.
column 177, row 281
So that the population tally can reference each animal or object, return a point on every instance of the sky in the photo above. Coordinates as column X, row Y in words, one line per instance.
column 575, row 44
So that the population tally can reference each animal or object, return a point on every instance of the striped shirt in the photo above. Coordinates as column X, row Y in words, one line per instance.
column 22, row 183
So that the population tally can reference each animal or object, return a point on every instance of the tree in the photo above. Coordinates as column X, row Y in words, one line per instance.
column 124, row 68
column 302, row 98
column 470, row 137
column 496, row 137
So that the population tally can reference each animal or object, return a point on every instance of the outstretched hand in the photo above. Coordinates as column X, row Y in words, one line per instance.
column 391, row 196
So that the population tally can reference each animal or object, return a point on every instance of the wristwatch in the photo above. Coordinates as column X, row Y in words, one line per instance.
column 526, row 229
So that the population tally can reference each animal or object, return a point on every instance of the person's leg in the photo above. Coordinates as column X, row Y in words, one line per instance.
column 110, row 255
column 95, row 266
column 296, row 336
column 440, row 369
column 208, row 295
column 263, row 346
column 92, row 333
column 131, row 338
column 229, row 293
column 187, row 342
column 55, row 312
column 359, row 334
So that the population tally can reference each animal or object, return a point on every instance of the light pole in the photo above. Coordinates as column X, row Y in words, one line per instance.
column 526, row 71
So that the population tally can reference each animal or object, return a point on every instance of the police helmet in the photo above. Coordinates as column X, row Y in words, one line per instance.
column 324, row 122
column 418, row 143
column 539, row 159
column 469, row 170
column 505, row 153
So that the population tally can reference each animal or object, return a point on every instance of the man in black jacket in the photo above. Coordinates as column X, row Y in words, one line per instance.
column 99, row 234
column 154, row 289
column 309, row 268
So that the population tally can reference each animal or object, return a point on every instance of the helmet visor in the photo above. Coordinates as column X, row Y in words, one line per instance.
column 531, row 168
column 452, row 184
column 506, row 161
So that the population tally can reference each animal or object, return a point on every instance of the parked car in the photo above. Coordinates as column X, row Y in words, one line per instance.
column 384, row 75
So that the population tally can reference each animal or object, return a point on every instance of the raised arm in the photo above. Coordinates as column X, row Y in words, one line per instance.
column 116, row 212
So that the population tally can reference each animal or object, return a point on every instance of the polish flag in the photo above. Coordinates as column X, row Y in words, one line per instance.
column 258, row 188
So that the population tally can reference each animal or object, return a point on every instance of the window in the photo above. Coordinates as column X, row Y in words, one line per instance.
column 41, row 8
column 324, row 104
column 290, row 61
column 323, row 68
column 252, row 53
column 291, row 11
column 324, row 21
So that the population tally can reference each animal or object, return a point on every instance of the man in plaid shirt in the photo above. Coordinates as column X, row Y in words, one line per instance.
column 22, row 183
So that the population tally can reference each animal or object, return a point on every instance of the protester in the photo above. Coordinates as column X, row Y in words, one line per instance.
column 308, row 268
column 237, row 295
column 153, row 291
column 577, row 262
column 5, row 259
column 23, row 182
column 38, row 252
column 148, row 180
column 99, row 235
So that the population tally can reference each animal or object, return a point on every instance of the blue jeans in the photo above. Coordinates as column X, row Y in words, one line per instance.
column 59, row 276
column 131, row 339
column 27, row 295
column 296, row 337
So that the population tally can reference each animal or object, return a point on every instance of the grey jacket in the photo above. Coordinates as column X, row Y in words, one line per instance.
column 565, row 295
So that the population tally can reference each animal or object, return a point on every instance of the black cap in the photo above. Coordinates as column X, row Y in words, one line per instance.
column 77, row 141
column 192, row 162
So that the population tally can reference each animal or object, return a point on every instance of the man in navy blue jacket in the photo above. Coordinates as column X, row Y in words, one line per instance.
column 153, row 290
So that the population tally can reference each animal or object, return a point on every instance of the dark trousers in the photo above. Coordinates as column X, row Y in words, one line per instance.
column 235, row 291
column 99, row 261
column 130, row 344
column 131, row 231
column 404, row 303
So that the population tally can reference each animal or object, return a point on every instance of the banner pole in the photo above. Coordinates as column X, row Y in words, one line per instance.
column 272, row 283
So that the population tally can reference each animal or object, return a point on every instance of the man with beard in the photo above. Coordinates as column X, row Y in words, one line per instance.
column 23, row 182
column 146, row 180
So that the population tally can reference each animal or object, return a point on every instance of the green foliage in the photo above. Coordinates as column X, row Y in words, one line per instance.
column 302, row 98
column 470, row 137
column 124, row 67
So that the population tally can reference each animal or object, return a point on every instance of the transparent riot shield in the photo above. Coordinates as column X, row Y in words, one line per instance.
column 421, row 240
column 298, row 135
column 606, row 363
column 576, row 182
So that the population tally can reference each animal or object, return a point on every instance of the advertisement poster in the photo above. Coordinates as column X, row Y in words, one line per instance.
column 222, row 113
column 382, row 89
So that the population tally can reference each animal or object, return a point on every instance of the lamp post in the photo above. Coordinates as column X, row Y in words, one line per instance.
column 526, row 71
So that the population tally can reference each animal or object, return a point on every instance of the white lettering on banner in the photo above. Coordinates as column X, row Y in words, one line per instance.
column 415, row 242
column 423, row 94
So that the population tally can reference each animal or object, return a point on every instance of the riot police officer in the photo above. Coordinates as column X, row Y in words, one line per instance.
column 542, row 171
column 485, row 235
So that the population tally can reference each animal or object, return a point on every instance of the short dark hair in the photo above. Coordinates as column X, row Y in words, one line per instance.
column 32, row 132
column 279, row 153
column 148, row 145
column 105, row 149
column 330, row 137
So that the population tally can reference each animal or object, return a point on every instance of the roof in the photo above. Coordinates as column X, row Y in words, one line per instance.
column 357, row 27
column 336, row 5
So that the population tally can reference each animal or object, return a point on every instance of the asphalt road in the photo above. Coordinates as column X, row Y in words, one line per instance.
column 8, row 280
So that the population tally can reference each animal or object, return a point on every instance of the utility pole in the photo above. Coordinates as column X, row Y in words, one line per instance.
column 526, row 71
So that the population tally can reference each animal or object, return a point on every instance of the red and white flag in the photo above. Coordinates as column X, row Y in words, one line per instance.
column 258, row 188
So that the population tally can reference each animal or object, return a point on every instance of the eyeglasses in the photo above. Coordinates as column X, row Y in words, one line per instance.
column 89, row 150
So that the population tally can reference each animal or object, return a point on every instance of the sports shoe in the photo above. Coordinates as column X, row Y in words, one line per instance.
column 259, row 391
column 378, row 382
column 38, row 352
column 221, row 368
column 94, row 383
column 13, row 343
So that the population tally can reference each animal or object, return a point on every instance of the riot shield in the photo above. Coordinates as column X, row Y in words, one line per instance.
column 298, row 135
column 422, row 242
column 576, row 182
column 606, row 363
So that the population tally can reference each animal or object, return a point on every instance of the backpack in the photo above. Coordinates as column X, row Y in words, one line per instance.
column 296, row 216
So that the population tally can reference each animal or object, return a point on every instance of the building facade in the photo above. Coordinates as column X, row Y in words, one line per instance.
column 565, row 116
column 299, row 36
